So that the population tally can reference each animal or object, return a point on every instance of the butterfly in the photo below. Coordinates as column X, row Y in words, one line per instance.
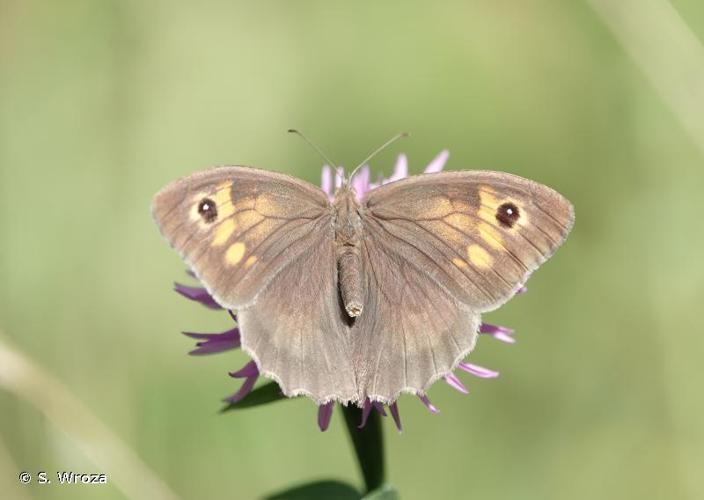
column 349, row 299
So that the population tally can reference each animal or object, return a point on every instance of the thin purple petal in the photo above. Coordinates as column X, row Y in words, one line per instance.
column 502, row 333
column 438, row 163
column 504, row 338
column 427, row 403
column 489, row 328
column 360, row 182
column 366, row 410
column 245, row 389
column 324, row 415
column 326, row 180
column 215, row 342
column 379, row 407
column 455, row 383
column 478, row 371
column 247, row 371
column 393, row 407
column 197, row 294
column 400, row 169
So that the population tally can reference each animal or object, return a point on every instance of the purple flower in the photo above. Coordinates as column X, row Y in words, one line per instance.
column 209, row 343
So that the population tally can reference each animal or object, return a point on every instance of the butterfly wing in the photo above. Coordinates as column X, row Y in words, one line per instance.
column 411, row 331
column 298, row 332
column 263, row 243
column 477, row 234
column 237, row 227
column 442, row 248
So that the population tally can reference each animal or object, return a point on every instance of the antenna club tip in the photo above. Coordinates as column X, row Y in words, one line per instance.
column 405, row 134
column 292, row 131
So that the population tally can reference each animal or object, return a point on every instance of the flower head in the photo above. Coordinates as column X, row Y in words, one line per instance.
column 210, row 343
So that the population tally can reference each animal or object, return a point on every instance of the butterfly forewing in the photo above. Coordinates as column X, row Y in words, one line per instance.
column 236, row 227
column 477, row 234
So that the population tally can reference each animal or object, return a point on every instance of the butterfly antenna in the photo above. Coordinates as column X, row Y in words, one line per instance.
column 314, row 146
column 377, row 151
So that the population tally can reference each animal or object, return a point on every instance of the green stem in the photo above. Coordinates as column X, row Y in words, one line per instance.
column 368, row 445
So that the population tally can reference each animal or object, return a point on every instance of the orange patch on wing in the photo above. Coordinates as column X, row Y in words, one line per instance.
column 234, row 253
column 459, row 263
column 488, row 204
column 223, row 232
column 478, row 256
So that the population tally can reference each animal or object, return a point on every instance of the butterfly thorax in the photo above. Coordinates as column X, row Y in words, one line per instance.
column 348, row 239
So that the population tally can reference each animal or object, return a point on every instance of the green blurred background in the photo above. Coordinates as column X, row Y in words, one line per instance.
column 103, row 102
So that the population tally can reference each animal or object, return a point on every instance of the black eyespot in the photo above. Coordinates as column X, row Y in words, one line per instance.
column 208, row 210
column 507, row 214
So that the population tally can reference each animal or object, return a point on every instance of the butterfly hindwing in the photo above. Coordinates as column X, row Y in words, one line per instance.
column 412, row 331
column 236, row 227
column 298, row 333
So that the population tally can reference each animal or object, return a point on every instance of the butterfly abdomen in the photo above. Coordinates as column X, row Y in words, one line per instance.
column 348, row 238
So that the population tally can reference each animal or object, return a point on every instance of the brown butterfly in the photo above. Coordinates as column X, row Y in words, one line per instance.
column 355, row 299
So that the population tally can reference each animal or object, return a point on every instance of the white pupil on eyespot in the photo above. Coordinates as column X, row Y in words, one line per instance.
column 509, row 211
